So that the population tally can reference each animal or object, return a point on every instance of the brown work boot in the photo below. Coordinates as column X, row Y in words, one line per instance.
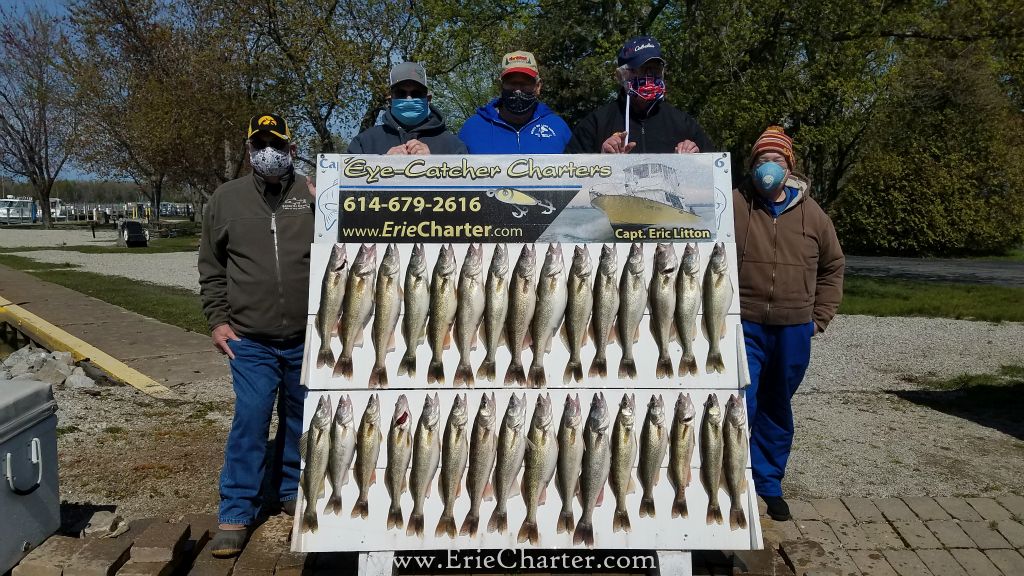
column 229, row 543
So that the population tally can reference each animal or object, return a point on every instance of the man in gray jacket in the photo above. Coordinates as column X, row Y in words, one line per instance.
column 411, row 125
column 254, row 278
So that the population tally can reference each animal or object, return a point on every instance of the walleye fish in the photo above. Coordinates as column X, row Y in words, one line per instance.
column 426, row 454
column 316, row 447
column 541, row 459
column 680, row 453
column 579, row 305
column 632, row 303
column 511, row 452
column 343, row 450
column 483, row 446
column 663, row 304
column 550, row 309
column 522, row 301
column 595, row 467
column 688, row 296
column 417, row 306
column 332, row 292
column 442, row 312
column 469, row 313
column 388, row 303
column 399, row 453
column 623, row 456
column 357, row 306
column 454, row 456
column 606, row 307
column 734, row 459
column 570, row 459
column 654, row 440
column 717, row 299
column 495, row 307
column 367, row 449
column 711, row 456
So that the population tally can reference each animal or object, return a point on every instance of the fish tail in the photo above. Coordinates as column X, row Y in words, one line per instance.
column 664, row 369
column 309, row 519
column 584, row 534
column 470, row 525
column 715, row 362
column 647, row 506
column 435, row 372
column 714, row 515
column 395, row 519
column 565, row 521
column 679, row 508
column 688, row 364
column 737, row 519
column 464, row 375
column 627, row 368
column 498, row 522
column 325, row 357
column 408, row 363
column 334, row 504
column 528, row 532
column 446, row 525
column 361, row 508
column 415, row 525
column 378, row 377
column 343, row 367
column 621, row 521
column 515, row 374
column 538, row 379
column 599, row 368
column 573, row 372
column 486, row 371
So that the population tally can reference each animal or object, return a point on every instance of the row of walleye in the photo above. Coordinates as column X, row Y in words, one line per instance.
column 522, row 310
column 581, row 456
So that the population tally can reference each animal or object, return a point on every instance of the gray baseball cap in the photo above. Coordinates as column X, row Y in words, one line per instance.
column 409, row 71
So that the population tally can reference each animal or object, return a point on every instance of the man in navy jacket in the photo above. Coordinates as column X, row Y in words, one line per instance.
column 516, row 122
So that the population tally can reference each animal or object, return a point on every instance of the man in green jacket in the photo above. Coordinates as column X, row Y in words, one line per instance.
column 254, row 278
column 791, row 283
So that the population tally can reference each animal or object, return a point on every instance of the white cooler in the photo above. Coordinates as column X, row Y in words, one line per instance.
column 29, row 494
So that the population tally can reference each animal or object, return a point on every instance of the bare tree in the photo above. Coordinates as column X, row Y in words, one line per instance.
column 37, row 123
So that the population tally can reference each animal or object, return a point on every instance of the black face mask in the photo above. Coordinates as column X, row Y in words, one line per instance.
column 518, row 102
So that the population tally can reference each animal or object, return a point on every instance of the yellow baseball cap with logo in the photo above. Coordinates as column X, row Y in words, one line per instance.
column 270, row 123
column 521, row 62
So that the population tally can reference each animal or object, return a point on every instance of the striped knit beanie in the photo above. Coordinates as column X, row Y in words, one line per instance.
column 774, row 139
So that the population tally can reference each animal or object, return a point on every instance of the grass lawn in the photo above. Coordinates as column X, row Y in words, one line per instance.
column 888, row 297
column 1016, row 255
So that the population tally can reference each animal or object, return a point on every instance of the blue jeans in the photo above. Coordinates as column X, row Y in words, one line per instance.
column 777, row 357
column 262, row 372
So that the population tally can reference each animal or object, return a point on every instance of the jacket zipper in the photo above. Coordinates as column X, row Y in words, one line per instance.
column 775, row 262
column 519, row 145
column 277, row 267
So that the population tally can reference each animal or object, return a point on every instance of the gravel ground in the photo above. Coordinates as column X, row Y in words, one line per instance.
column 178, row 269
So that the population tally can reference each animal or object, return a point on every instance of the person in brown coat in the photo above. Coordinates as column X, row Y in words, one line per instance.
column 791, row 283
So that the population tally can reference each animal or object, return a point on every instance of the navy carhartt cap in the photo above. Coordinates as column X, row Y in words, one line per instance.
column 639, row 50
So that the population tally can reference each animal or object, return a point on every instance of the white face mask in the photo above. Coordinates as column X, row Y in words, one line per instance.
column 270, row 161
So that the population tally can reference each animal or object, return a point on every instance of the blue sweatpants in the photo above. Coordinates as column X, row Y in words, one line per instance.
column 777, row 357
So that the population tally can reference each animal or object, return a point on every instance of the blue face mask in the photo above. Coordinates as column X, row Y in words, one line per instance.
column 410, row 111
column 768, row 176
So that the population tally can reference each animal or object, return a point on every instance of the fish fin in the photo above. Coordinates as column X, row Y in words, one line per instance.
column 688, row 364
column 435, row 372
column 415, row 526
column 627, row 369
column 464, row 375
column 429, row 486
column 358, row 343
column 588, row 335
column 447, row 339
column 323, row 491
column 474, row 339
column 334, row 503
column 704, row 331
column 613, row 333
column 600, row 497
column 528, row 532
column 378, row 377
column 407, row 365
column 470, row 525
column 373, row 477
column 563, row 333
column 538, row 378
column 631, row 488
column 636, row 334
column 664, row 369
column 361, row 509
column 565, row 522
column 486, row 371
column 679, row 507
column 621, row 522
column 551, row 339
column 515, row 375
column 488, row 492
column 405, row 483
column 343, row 368
column 584, row 534
column 325, row 358
column 714, row 363
column 598, row 368
column 498, row 522
column 392, row 342
column 647, row 506
column 445, row 526
column 673, row 332
column 737, row 519
column 309, row 520
column 714, row 515
column 395, row 519
column 514, row 490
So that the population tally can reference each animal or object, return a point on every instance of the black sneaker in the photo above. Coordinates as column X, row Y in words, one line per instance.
column 288, row 507
column 777, row 508
column 228, row 543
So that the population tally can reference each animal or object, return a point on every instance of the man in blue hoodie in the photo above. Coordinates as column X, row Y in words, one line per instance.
column 516, row 122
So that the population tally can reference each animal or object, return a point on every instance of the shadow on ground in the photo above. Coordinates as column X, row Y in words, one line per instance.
column 996, row 404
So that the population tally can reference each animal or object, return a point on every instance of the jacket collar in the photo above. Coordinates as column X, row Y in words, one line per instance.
column 286, row 183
